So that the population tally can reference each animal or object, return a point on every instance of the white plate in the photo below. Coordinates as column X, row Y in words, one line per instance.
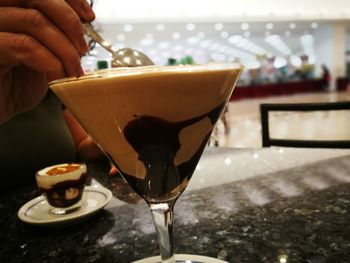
column 37, row 211
column 183, row 258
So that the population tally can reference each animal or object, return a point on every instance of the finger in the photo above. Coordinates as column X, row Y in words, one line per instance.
column 17, row 3
column 61, row 14
column 113, row 171
column 40, row 28
column 4, row 70
column 21, row 89
column 83, row 9
column 19, row 49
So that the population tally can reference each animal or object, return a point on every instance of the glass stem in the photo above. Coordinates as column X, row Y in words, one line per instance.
column 163, row 220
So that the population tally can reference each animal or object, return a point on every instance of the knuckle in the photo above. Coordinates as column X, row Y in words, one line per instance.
column 35, row 18
column 23, row 42
column 73, row 20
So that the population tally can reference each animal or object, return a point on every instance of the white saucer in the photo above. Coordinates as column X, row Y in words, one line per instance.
column 183, row 258
column 37, row 211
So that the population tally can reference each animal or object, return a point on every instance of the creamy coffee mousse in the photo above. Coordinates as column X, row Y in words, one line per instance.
column 62, row 184
column 153, row 122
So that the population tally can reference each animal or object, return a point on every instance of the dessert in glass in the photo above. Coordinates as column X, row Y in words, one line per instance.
column 153, row 123
column 63, row 186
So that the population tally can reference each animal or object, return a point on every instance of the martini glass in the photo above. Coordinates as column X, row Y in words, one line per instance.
column 153, row 123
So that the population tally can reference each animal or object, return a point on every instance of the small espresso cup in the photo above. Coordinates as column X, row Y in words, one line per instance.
column 63, row 186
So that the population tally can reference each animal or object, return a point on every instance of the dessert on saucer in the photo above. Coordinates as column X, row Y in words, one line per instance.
column 37, row 210
column 63, row 186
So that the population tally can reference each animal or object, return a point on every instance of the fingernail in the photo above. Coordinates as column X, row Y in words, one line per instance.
column 84, row 48
column 81, row 72
column 90, row 15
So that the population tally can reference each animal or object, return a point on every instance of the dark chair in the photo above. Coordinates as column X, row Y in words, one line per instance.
column 301, row 107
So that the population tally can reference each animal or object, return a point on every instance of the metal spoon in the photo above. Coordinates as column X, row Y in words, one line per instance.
column 125, row 57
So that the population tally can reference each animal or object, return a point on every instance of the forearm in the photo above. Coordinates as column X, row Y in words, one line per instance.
column 87, row 150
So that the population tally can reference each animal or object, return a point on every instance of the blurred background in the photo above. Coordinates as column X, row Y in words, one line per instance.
column 292, row 51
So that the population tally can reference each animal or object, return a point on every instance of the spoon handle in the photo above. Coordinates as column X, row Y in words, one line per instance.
column 90, row 32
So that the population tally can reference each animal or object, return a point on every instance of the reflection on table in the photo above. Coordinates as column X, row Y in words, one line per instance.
column 242, row 205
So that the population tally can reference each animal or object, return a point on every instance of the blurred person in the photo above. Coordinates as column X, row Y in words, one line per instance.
column 325, row 77
column 40, row 41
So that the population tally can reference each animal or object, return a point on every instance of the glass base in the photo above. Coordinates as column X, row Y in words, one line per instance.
column 67, row 210
column 183, row 258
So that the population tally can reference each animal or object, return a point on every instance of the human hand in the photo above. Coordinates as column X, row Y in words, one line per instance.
column 113, row 171
column 40, row 41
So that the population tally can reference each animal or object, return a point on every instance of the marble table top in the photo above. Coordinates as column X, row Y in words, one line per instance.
column 242, row 205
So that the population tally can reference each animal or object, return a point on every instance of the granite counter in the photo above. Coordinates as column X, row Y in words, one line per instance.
column 266, row 205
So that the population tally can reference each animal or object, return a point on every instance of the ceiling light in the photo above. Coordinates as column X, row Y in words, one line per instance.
column 279, row 62
column 121, row 37
column 175, row 35
column 307, row 41
column 93, row 52
column 276, row 42
column 242, row 55
column 128, row 27
column 242, row 43
column 224, row 34
column 245, row 26
column 190, row 27
column 192, row 40
column 201, row 35
column 160, row 27
column 219, row 26
column 295, row 61
column 234, row 39
column 251, row 47
column 147, row 41
column 269, row 26
column 246, row 34
column 228, row 161
column 312, row 59
column 251, row 64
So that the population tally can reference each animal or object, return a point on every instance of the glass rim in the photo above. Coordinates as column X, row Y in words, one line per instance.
column 127, row 71
column 43, row 172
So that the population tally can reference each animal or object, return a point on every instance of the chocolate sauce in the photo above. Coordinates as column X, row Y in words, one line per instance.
column 157, row 142
column 56, row 196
